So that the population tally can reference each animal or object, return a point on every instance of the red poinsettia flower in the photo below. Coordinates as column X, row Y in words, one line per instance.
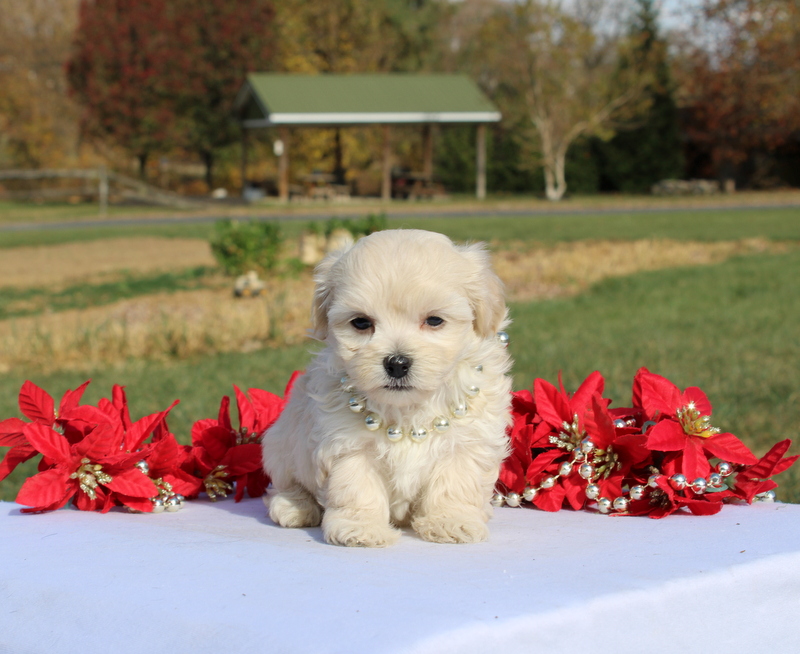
column 72, row 419
column 93, row 472
column 756, row 479
column 513, row 470
column 170, row 464
column 683, row 423
column 664, row 500
column 225, row 455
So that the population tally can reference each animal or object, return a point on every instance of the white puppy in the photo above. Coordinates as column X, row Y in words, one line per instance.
column 402, row 418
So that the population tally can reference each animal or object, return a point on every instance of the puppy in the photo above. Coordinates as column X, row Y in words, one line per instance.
column 401, row 419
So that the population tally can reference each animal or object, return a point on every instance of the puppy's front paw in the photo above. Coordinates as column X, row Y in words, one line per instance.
column 342, row 529
column 451, row 530
column 294, row 508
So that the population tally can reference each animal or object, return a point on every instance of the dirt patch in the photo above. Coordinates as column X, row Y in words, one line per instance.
column 56, row 266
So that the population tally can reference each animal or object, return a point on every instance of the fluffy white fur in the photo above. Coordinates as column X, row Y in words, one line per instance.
column 326, row 466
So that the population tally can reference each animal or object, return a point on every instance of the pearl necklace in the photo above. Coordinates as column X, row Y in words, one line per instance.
column 357, row 403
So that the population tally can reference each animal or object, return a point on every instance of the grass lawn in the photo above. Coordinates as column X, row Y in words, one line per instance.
column 729, row 328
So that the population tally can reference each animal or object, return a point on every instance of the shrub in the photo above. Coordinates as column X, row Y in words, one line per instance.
column 374, row 222
column 243, row 246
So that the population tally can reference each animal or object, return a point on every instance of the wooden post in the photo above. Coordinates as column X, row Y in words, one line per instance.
column 283, row 165
column 480, row 181
column 427, row 151
column 244, row 161
column 386, row 185
column 102, row 191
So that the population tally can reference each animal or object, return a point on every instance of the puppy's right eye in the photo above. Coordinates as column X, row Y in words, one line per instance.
column 361, row 324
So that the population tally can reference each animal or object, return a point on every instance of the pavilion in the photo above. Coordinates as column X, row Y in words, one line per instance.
column 286, row 101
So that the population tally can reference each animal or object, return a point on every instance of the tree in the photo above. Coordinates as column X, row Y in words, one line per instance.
column 37, row 123
column 116, row 72
column 555, row 67
column 155, row 74
column 741, row 84
column 212, row 45
column 648, row 148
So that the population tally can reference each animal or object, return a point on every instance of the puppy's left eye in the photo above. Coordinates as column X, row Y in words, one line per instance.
column 434, row 321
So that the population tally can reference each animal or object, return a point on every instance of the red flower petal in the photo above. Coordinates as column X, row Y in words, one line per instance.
column 139, row 431
column 11, row 432
column 592, row 385
column 666, row 436
column 694, row 463
column 550, row 404
column 512, row 475
column 71, row 399
column 36, row 404
column 660, row 397
column 45, row 489
column 694, row 394
column 14, row 457
column 247, row 416
column 729, row 448
column 132, row 483
column 550, row 500
column 50, row 443
column 242, row 459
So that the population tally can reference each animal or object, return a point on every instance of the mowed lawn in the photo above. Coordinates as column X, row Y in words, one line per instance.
column 731, row 328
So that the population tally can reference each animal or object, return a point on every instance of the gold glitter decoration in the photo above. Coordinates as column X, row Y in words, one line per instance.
column 694, row 424
column 90, row 475
column 215, row 483
column 570, row 436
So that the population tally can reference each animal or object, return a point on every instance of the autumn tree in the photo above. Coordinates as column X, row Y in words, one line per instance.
column 212, row 45
column 37, row 124
column 554, row 67
column 116, row 72
column 740, row 78
column 155, row 74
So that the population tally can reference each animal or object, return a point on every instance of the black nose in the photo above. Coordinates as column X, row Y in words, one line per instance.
column 397, row 365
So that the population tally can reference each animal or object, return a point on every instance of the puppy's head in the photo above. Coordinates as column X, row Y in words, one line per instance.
column 401, row 307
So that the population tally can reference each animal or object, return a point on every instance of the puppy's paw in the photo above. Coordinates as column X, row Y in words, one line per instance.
column 440, row 529
column 341, row 529
column 294, row 508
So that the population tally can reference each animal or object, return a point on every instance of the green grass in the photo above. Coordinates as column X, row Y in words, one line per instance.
column 15, row 302
column 706, row 225
column 730, row 329
column 24, row 212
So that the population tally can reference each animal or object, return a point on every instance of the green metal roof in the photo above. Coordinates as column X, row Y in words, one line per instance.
column 285, row 99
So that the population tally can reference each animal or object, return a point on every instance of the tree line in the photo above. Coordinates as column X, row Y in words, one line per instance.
column 595, row 95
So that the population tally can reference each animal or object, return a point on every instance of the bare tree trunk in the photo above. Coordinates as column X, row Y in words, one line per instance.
column 208, row 161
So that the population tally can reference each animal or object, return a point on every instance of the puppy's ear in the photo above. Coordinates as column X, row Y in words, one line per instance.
column 323, row 295
column 485, row 291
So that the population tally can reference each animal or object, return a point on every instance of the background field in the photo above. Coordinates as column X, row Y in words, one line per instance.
column 705, row 297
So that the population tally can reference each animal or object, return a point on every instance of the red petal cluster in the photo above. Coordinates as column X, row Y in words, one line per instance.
column 98, row 458
column 666, row 433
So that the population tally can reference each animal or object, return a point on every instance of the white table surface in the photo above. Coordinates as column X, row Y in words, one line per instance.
column 220, row 577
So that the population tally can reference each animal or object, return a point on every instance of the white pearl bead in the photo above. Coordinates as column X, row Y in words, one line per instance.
column 356, row 404
column 592, row 491
column 512, row 499
column 529, row 494
column 498, row 499
column 652, row 481
column 472, row 390
column 372, row 422
column 548, row 482
column 565, row 468
column 143, row 466
column 586, row 470
column 586, row 446
column 441, row 424
column 419, row 434
column 394, row 433
column 620, row 504
column 715, row 480
column 503, row 338
column 460, row 410
column 678, row 482
column 724, row 468
column 637, row 492
column 699, row 485
column 158, row 505
column 604, row 505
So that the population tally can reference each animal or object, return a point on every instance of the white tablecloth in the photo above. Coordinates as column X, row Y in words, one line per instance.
column 222, row 578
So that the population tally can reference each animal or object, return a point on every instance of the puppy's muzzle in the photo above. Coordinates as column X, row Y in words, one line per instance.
column 397, row 366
